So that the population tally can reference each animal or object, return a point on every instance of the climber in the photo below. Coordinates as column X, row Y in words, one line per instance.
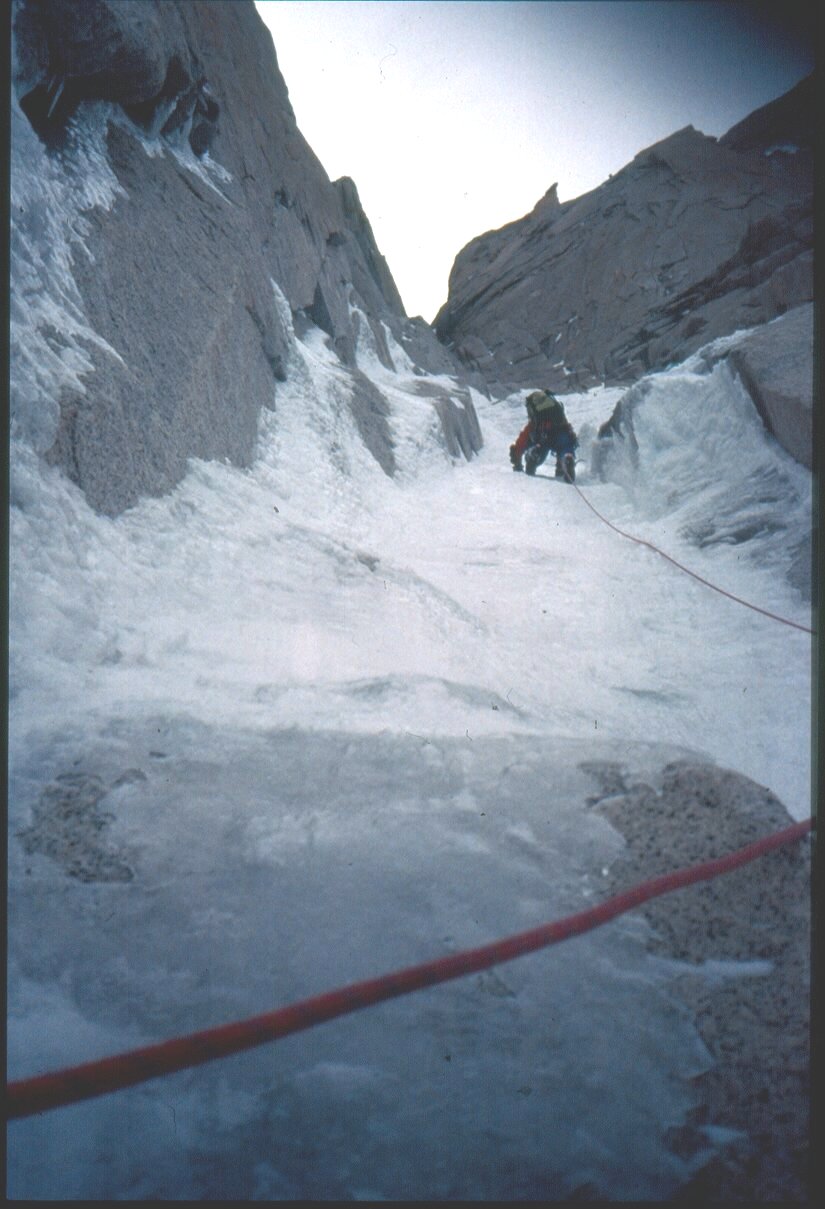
column 547, row 431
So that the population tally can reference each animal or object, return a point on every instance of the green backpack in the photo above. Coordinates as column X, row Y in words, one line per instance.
column 542, row 405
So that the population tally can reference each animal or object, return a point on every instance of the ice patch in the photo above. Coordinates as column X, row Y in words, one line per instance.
column 48, row 331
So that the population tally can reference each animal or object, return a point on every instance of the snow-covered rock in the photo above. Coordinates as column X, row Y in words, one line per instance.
column 177, row 190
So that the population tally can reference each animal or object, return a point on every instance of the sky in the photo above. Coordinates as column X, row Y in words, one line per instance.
column 454, row 117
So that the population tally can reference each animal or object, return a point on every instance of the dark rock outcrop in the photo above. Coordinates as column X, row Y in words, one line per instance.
column 784, row 124
column 696, row 238
column 178, row 275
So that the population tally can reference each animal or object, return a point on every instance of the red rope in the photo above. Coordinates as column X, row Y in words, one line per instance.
column 28, row 1096
column 640, row 541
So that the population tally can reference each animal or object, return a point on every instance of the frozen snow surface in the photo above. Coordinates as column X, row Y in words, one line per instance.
column 296, row 725
column 458, row 599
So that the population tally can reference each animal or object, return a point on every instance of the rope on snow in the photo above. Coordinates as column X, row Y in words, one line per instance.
column 641, row 542
column 29, row 1096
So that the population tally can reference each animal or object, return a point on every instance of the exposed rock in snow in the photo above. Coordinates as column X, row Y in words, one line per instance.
column 692, row 240
column 752, row 926
column 457, row 414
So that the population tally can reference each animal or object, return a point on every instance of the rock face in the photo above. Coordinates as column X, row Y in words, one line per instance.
column 694, row 239
column 217, row 199
column 775, row 364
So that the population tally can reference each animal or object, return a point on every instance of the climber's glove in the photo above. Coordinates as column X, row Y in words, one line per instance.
column 515, row 458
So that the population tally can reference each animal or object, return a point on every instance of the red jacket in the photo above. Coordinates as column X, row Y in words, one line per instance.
column 544, row 431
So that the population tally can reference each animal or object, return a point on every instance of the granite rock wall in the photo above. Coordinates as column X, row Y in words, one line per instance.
column 695, row 238
column 218, row 200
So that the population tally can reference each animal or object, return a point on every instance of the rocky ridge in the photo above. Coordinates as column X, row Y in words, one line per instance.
column 694, row 239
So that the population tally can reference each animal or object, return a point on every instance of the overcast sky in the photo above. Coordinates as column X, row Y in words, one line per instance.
column 454, row 117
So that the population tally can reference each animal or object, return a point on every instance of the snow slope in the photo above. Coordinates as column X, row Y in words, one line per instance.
column 314, row 588
column 303, row 724
column 293, row 726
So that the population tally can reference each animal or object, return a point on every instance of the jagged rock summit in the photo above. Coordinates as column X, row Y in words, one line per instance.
column 200, row 228
column 694, row 239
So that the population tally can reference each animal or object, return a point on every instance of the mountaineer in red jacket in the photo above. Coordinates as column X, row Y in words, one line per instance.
column 547, row 431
